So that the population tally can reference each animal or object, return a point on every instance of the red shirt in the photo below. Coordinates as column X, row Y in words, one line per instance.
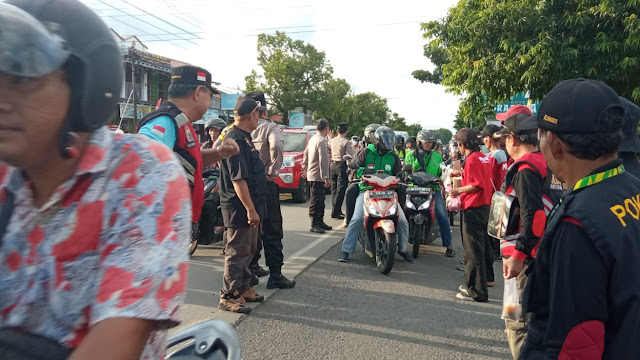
column 478, row 171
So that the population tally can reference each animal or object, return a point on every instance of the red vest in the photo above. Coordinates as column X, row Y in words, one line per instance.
column 187, row 149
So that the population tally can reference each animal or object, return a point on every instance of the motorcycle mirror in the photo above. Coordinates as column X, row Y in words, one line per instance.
column 353, row 165
column 408, row 168
column 347, row 157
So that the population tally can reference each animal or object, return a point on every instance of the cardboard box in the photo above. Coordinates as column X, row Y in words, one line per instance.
column 457, row 182
column 456, row 165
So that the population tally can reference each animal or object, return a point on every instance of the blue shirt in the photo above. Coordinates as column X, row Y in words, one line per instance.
column 161, row 129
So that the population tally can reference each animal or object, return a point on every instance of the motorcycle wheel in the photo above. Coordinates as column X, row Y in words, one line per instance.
column 195, row 235
column 386, row 248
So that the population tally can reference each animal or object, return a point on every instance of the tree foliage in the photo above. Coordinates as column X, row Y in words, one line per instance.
column 489, row 50
column 444, row 135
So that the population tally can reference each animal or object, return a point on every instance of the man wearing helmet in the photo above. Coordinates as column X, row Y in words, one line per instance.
column 400, row 149
column 213, row 128
column 378, row 156
column 426, row 159
column 94, row 225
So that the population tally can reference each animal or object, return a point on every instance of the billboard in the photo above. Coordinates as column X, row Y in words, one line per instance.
column 228, row 101
column 296, row 119
column 518, row 99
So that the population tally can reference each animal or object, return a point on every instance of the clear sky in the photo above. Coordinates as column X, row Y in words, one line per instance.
column 374, row 45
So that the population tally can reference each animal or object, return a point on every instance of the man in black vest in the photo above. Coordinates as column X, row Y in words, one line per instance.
column 583, row 292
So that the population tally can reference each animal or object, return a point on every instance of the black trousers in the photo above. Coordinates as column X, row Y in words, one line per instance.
column 339, row 183
column 270, row 236
column 478, row 252
column 316, row 207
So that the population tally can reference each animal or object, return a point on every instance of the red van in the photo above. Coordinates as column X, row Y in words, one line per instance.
column 290, row 179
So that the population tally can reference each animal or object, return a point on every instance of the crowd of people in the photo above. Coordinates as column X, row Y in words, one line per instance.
column 82, row 209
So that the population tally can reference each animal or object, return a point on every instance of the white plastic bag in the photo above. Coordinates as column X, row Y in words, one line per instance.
column 511, row 302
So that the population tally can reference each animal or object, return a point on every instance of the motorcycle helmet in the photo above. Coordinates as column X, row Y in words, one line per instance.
column 46, row 35
column 426, row 136
column 215, row 123
column 355, row 138
column 369, row 132
column 384, row 139
column 399, row 142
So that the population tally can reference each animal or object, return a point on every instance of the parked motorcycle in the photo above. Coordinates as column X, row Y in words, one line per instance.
column 378, row 237
column 210, row 227
column 420, row 209
column 210, row 340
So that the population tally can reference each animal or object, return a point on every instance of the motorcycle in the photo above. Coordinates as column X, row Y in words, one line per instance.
column 420, row 209
column 378, row 237
column 209, row 340
column 211, row 216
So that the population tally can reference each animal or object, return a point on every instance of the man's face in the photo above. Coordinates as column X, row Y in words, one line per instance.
column 214, row 133
column 548, row 155
column 509, row 144
column 32, row 112
column 203, row 99
column 255, row 116
column 487, row 141
column 409, row 146
column 427, row 145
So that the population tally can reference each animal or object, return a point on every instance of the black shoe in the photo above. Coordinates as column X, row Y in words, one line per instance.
column 339, row 216
column 281, row 282
column 407, row 257
column 325, row 226
column 317, row 229
column 254, row 280
column 344, row 257
column 259, row 271
column 450, row 253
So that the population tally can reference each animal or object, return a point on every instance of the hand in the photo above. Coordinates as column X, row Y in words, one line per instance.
column 254, row 218
column 228, row 148
column 303, row 174
column 271, row 178
column 455, row 192
column 512, row 267
column 327, row 183
column 215, row 189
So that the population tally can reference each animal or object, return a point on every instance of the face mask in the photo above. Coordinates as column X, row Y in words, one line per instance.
column 399, row 146
column 382, row 150
column 354, row 143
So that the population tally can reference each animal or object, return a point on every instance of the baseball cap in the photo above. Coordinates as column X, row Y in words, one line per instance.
column 465, row 135
column 631, row 141
column 518, row 124
column 192, row 75
column 576, row 106
column 515, row 109
column 245, row 105
column 489, row 130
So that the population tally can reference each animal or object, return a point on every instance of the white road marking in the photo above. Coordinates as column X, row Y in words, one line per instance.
column 302, row 251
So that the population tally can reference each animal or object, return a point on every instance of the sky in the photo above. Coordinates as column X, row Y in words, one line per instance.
column 374, row 45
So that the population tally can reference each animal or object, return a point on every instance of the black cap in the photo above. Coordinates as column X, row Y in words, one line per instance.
column 259, row 97
column 518, row 124
column 631, row 141
column 466, row 135
column 489, row 130
column 576, row 106
column 245, row 105
column 192, row 75
column 342, row 127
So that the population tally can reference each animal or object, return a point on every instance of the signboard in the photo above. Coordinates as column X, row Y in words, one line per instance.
column 228, row 101
column 518, row 99
column 296, row 119
column 128, row 113
column 152, row 59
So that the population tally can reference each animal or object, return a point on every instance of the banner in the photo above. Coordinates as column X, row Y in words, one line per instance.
column 228, row 101
column 518, row 99
column 296, row 119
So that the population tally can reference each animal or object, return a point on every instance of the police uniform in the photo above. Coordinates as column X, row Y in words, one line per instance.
column 583, row 292
column 315, row 162
column 340, row 146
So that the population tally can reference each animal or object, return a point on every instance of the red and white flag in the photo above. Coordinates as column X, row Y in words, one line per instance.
column 158, row 104
column 158, row 131
column 202, row 76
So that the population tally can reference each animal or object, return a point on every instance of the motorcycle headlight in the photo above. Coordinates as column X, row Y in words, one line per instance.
column 374, row 211
column 409, row 204
column 392, row 211
column 425, row 205
column 288, row 161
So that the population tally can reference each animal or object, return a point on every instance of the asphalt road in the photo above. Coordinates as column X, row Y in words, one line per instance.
column 350, row 311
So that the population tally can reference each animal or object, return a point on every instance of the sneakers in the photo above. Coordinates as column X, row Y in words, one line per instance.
column 317, row 229
column 450, row 253
column 462, row 267
column 254, row 280
column 338, row 216
column 464, row 297
column 259, row 271
column 344, row 257
column 281, row 282
column 252, row 296
column 238, row 305
column 463, row 289
column 325, row 226
column 407, row 257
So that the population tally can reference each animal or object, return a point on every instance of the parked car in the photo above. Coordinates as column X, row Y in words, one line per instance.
column 290, row 179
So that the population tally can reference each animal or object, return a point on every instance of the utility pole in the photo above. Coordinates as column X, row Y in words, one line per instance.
column 133, row 84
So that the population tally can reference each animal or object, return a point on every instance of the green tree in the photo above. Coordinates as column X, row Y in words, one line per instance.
column 333, row 104
column 489, row 50
column 293, row 73
column 444, row 135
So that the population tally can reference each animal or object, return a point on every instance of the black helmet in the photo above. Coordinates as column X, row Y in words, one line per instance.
column 384, row 138
column 399, row 139
column 426, row 136
column 411, row 139
column 215, row 123
column 78, row 42
column 368, row 133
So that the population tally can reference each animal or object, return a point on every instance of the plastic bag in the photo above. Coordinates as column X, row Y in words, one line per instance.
column 454, row 204
column 511, row 302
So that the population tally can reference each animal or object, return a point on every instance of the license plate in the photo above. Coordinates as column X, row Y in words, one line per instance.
column 381, row 195
column 418, row 190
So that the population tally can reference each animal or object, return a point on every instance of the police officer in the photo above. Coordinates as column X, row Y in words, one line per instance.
column 583, row 288
column 340, row 146
column 315, row 168
column 190, row 95
column 267, row 139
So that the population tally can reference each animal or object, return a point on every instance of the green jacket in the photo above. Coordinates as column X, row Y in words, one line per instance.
column 432, row 164
column 386, row 163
